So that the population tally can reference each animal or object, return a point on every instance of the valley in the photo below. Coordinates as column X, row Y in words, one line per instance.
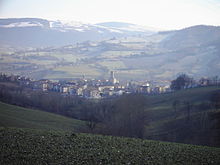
column 110, row 82
column 97, row 59
column 158, row 56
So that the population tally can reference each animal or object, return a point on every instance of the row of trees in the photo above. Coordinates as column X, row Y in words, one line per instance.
column 187, row 107
column 123, row 116
column 181, row 82
column 215, row 99
column 129, row 117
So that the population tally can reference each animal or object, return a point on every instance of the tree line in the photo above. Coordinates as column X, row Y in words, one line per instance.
column 184, row 81
column 123, row 116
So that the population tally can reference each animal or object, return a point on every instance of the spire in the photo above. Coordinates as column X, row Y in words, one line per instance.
column 112, row 78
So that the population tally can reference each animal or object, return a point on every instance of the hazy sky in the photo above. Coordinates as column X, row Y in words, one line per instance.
column 163, row 14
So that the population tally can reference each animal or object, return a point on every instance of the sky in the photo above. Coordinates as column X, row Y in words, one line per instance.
column 161, row 14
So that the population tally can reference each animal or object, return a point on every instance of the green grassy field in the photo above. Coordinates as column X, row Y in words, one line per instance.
column 25, row 146
column 14, row 116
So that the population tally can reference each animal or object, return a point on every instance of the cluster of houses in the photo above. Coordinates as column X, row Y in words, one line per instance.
column 91, row 88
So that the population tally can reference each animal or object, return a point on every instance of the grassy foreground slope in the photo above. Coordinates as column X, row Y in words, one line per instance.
column 201, row 127
column 14, row 116
column 25, row 146
column 162, row 104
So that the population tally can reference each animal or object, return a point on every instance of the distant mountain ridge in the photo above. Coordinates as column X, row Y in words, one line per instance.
column 192, row 37
column 73, row 49
column 40, row 32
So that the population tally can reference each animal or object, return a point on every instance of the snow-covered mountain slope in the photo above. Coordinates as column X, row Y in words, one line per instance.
column 39, row 32
column 127, row 27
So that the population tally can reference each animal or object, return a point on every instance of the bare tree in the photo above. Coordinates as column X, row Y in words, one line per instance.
column 181, row 82
column 215, row 100
column 129, row 119
column 189, row 106
column 175, row 105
